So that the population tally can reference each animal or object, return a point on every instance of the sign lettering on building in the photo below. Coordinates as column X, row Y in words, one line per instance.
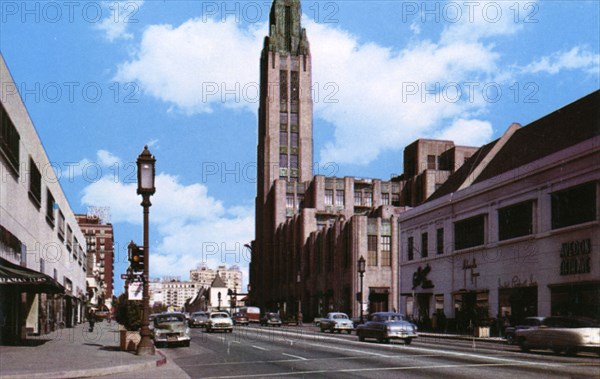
column 575, row 257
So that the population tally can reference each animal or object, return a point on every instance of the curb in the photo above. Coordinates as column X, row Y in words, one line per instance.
column 83, row 373
column 464, row 338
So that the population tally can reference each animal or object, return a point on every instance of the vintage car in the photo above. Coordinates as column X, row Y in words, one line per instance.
column 336, row 322
column 384, row 326
column 171, row 328
column 529, row 322
column 219, row 321
column 271, row 319
column 198, row 320
column 568, row 334
column 240, row 319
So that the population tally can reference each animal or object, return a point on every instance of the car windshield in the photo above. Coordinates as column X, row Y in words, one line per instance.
column 219, row 315
column 168, row 318
column 340, row 316
column 391, row 317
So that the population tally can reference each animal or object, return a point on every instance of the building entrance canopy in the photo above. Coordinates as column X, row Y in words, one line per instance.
column 27, row 280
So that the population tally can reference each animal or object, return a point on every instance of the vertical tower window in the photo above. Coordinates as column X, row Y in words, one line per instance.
column 328, row 197
column 372, row 250
column 440, row 241
column 339, row 197
column 283, row 160
column 424, row 245
column 386, row 255
column 283, row 85
column 410, row 249
column 288, row 29
column 35, row 184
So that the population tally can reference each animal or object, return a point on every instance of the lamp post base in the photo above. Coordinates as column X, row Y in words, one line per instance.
column 145, row 347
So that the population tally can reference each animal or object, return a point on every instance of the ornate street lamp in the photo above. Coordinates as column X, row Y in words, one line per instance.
column 146, row 174
column 361, row 271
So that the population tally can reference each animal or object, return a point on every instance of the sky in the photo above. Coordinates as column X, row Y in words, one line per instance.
column 101, row 79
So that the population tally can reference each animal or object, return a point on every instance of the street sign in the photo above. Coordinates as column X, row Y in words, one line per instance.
column 135, row 291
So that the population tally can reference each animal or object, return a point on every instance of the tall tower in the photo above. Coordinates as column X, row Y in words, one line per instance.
column 285, row 112
column 284, row 133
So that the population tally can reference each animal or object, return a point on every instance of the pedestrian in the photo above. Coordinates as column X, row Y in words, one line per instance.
column 92, row 319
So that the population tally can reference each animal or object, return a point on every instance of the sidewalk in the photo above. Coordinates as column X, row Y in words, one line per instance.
column 73, row 353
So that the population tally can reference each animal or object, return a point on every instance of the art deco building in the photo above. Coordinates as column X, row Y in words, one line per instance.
column 311, row 230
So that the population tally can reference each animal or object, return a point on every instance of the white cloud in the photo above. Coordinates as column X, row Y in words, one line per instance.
column 377, row 98
column 106, row 158
column 189, row 67
column 120, row 15
column 191, row 225
column 578, row 58
column 467, row 132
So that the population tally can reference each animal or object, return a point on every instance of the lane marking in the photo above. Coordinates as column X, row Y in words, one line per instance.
column 312, row 372
column 295, row 356
column 260, row 348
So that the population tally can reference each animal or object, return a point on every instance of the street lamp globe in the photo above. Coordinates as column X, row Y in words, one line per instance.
column 146, row 173
column 361, row 265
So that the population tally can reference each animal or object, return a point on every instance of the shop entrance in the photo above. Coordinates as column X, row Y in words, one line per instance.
column 518, row 303
column 576, row 300
column 378, row 299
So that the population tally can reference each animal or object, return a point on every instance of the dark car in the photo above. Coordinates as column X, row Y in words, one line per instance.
column 384, row 326
column 271, row 319
column 240, row 319
column 198, row 320
column 529, row 322
column 568, row 334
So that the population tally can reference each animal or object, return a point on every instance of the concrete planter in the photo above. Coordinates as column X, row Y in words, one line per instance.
column 482, row 331
column 129, row 340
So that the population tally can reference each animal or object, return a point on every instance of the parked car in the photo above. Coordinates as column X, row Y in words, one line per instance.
column 529, row 322
column 171, row 328
column 336, row 322
column 219, row 321
column 384, row 326
column 271, row 319
column 240, row 319
column 568, row 334
column 198, row 320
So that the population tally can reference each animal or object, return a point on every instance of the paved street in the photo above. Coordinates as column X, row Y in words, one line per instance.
column 292, row 351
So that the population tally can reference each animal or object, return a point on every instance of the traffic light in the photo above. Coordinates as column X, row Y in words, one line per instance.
column 136, row 258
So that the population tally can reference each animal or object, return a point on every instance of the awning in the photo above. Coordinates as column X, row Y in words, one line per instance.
column 26, row 279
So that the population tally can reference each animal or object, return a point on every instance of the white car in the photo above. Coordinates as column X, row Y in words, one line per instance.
column 568, row 334
column 219, row 321
column 336, row 322
column 171, row 328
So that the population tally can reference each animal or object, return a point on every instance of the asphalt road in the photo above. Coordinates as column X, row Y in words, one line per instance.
column 254, row 351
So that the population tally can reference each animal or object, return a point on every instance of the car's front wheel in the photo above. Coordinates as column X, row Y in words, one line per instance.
column 407, row 341
column 510, row 339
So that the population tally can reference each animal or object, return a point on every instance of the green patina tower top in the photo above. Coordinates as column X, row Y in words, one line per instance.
column 286, row 34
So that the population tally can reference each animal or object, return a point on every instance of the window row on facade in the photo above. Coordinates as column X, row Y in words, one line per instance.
column 571, row 206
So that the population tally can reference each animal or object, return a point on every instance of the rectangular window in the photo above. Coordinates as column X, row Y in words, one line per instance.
column 283, row 86
column 424, row 245
column 439, row 241
column 289, row 200
column 295, row 88
column 283, row 138
column 372, row 250
column 9, row 141
column 339, row 198
column 431, row 162
column 69, row 238
column 50, row 208
column 574, row 205
column 283, row 160
column 283, row 120
column 293, row 161
column 469, row 232
column 328, row 197
column 294, row 139
column 61, row 225
column 396, row 199
column 368, row 199
column 357, row 198
column 294, row 120
column 385, row 199
column 515, row 221
column 35, row 184
column 386, row 254
column 410, row 249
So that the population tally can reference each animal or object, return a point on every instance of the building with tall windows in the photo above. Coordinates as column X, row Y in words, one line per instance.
column 515, row 231
column 42, row 249
column 311, row 230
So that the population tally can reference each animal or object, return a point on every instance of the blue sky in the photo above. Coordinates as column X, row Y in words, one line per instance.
column 102, row 79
